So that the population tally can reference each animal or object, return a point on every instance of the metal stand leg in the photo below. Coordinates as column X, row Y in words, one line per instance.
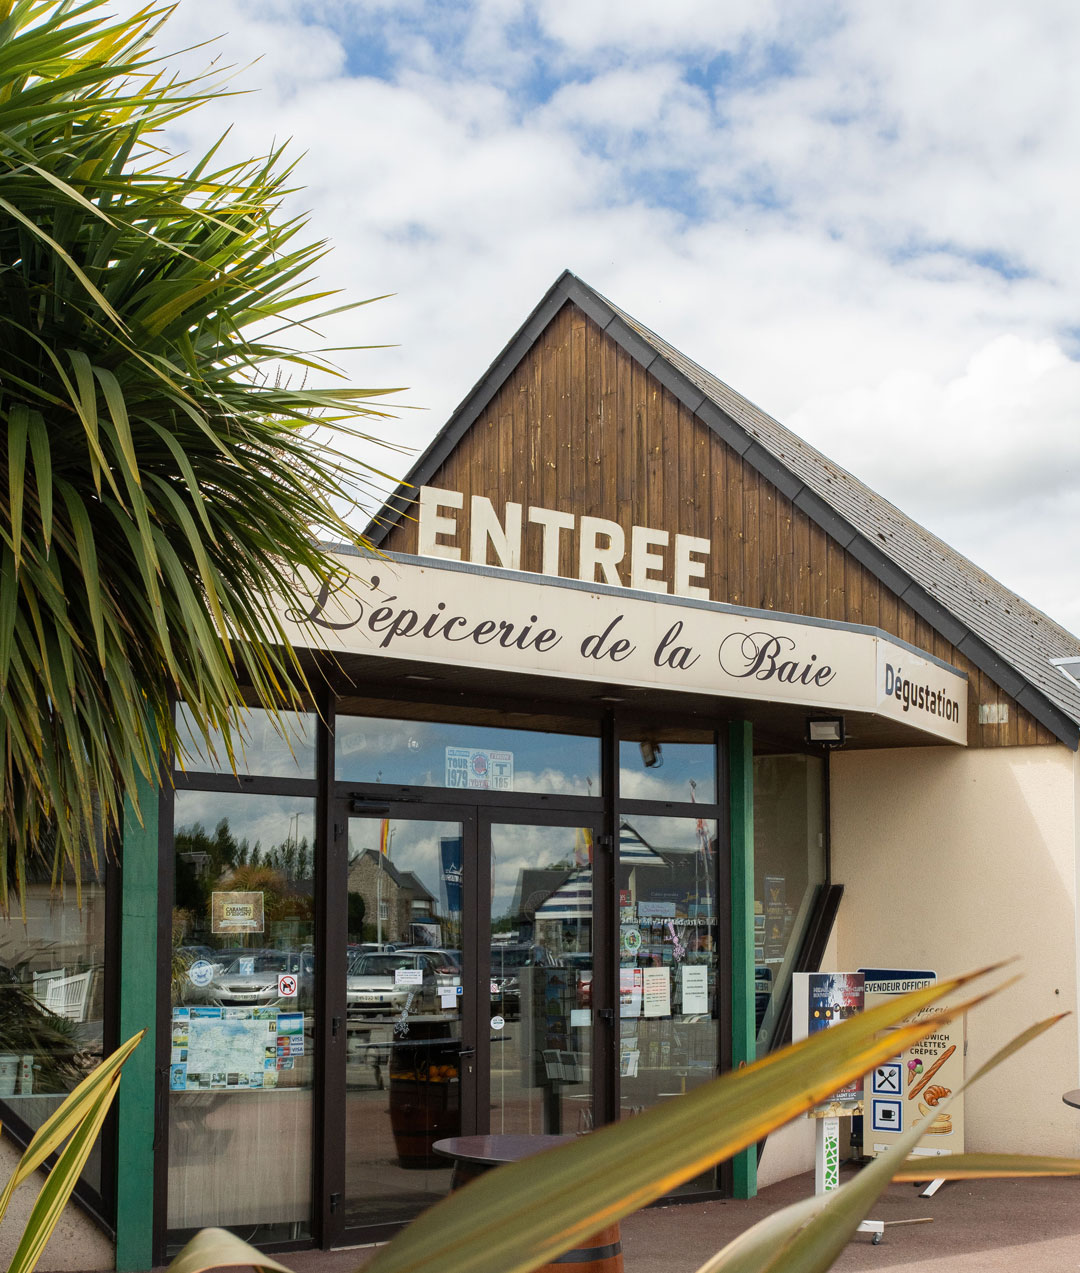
column 827, row 1170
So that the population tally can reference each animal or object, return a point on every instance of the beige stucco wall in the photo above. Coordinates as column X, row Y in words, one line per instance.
column 951, row 859
column 76, row 1244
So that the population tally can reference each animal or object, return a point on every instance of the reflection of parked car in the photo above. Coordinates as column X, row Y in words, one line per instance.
column 252, row 979
column 447, row 963
column 373, row 989
column 506, row 964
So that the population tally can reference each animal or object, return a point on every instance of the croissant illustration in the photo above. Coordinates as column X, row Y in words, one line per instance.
column 935, row 1092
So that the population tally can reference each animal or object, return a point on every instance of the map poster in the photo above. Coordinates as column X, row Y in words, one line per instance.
column 232, row 1049
column 236, row 912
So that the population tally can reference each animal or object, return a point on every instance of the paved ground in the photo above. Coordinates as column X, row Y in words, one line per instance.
column 985, row 1225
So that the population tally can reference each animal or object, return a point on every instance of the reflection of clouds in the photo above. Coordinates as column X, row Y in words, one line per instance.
column 516, row 848
column 413, row 753
column 414, row 846
column 651, row 784
column 670, row 835
column 267, row 820
column 671, row 780
column 260, row 749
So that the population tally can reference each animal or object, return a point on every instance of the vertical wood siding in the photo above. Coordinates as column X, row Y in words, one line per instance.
column 581, row 427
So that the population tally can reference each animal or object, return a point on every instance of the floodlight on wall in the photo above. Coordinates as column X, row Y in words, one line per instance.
column 652, row 756
column 1069, row 668
column 825, row 731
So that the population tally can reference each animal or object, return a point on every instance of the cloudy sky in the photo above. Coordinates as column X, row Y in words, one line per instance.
column 861, row 216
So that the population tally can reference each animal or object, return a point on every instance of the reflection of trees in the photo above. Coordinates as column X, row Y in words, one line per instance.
column 208, row 863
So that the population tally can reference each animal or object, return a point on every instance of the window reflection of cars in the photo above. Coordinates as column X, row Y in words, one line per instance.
column 237, row 987
column 447, row 963
column 506, row 964
column 372, row 988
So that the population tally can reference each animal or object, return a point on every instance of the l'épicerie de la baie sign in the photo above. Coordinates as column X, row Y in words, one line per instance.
column 455, row 615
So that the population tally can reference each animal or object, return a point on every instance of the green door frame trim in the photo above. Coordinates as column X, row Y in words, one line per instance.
column 138, row 1011
column 743, row 1019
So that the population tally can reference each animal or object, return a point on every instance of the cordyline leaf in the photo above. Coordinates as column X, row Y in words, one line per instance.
column 218, row 1248
column 528, row 1213
column 809, row 1237
column 986, row 1167
column 78, row 1106
column 61, row 1181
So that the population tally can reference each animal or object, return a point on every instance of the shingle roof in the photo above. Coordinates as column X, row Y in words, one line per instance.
column 998, row 631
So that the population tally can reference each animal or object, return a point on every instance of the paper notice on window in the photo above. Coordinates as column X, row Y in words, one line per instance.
column 656, row 992
column 448, row 999
column 630, row 992
column 408, row 976
column 695, row 988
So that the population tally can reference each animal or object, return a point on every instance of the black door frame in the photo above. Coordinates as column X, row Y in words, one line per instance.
column 331, row 808
column 476, row 818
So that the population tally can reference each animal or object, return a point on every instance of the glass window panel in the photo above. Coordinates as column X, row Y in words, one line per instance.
column 541, row 979
column 466, row 757
column 260, row 747
column 403, row 1020
column 789, row 867
column 243, row 976
column 52, row 995
column 668, row 952
column 653, row 769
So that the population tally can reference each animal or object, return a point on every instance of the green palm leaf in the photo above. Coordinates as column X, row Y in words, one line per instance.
column 159, row 485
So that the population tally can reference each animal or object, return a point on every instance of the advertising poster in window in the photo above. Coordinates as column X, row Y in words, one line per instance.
column 236, row 913
column 822, row 1000
column 774, row 936
column 479, row 769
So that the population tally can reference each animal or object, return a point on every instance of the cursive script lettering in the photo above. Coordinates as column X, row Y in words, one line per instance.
column 761, row 655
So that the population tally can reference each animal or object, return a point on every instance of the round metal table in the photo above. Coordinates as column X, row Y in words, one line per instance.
column 474, row 1155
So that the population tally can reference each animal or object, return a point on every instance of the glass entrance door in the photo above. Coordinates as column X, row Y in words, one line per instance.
column 468, row 993
column 541, row 968
column 409, row 1024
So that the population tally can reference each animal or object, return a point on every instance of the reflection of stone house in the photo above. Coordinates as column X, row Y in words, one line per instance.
column 399, row 895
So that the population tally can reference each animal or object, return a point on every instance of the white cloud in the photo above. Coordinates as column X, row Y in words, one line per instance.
column 832, row 208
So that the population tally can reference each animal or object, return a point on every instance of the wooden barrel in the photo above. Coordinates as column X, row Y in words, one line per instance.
column 421, row 1113
column 602, row 1253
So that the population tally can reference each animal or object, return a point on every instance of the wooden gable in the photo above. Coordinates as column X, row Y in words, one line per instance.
column 580, row 426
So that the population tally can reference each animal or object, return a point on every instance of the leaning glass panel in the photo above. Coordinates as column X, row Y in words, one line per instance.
column 418, row 753
column 789, row 868
column 242, row 1029
column 669, row 1002
column 260, row 746
column 52, row 994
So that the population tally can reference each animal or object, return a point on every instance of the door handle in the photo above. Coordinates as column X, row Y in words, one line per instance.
column 468, row 1051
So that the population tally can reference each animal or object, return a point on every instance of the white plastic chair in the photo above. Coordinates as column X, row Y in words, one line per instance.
column 67, row 996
